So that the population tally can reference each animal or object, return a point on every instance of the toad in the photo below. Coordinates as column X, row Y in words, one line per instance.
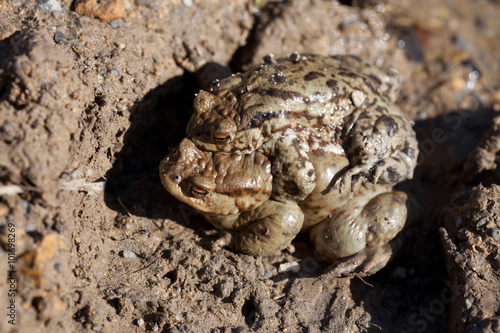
column 287, row 107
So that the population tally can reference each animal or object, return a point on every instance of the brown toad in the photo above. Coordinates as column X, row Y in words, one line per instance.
column 233, row 192
column 288, row 107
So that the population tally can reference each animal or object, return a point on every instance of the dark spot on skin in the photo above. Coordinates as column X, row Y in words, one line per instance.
column 390, row 125
column 364, row 115
column 393, row 174
column 409, row 152
column 331, row 83
column 312, row 75
column 368, row 83
column 283, row 94
column 347, row 73
column 280, row 68
column 375, row 79
column 310, row 173
column 261, row 117
column 291, row 188
column 273, row 79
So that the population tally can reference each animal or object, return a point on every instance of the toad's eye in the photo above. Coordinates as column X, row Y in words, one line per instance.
column 198, row 192
column 221, row 137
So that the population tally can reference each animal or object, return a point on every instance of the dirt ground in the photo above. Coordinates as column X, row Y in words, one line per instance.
column 91, row 241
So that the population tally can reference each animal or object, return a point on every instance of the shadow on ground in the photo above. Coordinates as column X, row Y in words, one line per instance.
column 157, row 124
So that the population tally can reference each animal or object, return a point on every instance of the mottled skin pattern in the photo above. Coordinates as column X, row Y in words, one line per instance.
column 350, row 229
column 288, row 107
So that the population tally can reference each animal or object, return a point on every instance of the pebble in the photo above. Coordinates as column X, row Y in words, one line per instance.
column 48, row 5
column 357, row 97
column 116, row 71
column 495, row 233
column 289, row 267
column 59, row 37
column 187, row 3
column 140, row 322
column 480, row 223
column 118, row 23
column 269, row 274
column 128, row 254
column 104, row 10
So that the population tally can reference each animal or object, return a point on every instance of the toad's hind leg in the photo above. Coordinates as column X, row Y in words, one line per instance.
column 355, row 239
column 262, row 231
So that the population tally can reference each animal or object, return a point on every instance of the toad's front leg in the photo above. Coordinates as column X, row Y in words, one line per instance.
column 262, row 231
column 381, row 146
column 294, row 177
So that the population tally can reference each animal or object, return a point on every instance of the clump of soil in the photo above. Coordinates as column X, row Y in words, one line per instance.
column 89, row 108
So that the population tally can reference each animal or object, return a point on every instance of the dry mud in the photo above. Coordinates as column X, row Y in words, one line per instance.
column 89, row 108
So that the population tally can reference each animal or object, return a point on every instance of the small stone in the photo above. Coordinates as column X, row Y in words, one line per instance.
column 357, row 97
column 480, row 223
column 187, row 3
column 104, row 10
column 59, row 37
column 118, row 23
column 289, row 267
column 468, row 304
column 48, row 5
column 115, row 71
column 128, row 254
column 495, row 233
column 140, row 322
column 121, row 46
column 270, row 273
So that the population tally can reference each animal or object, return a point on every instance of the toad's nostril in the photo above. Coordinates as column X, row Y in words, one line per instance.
column 175, row 177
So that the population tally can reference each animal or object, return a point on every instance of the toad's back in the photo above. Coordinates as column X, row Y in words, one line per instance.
column 312, row 90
